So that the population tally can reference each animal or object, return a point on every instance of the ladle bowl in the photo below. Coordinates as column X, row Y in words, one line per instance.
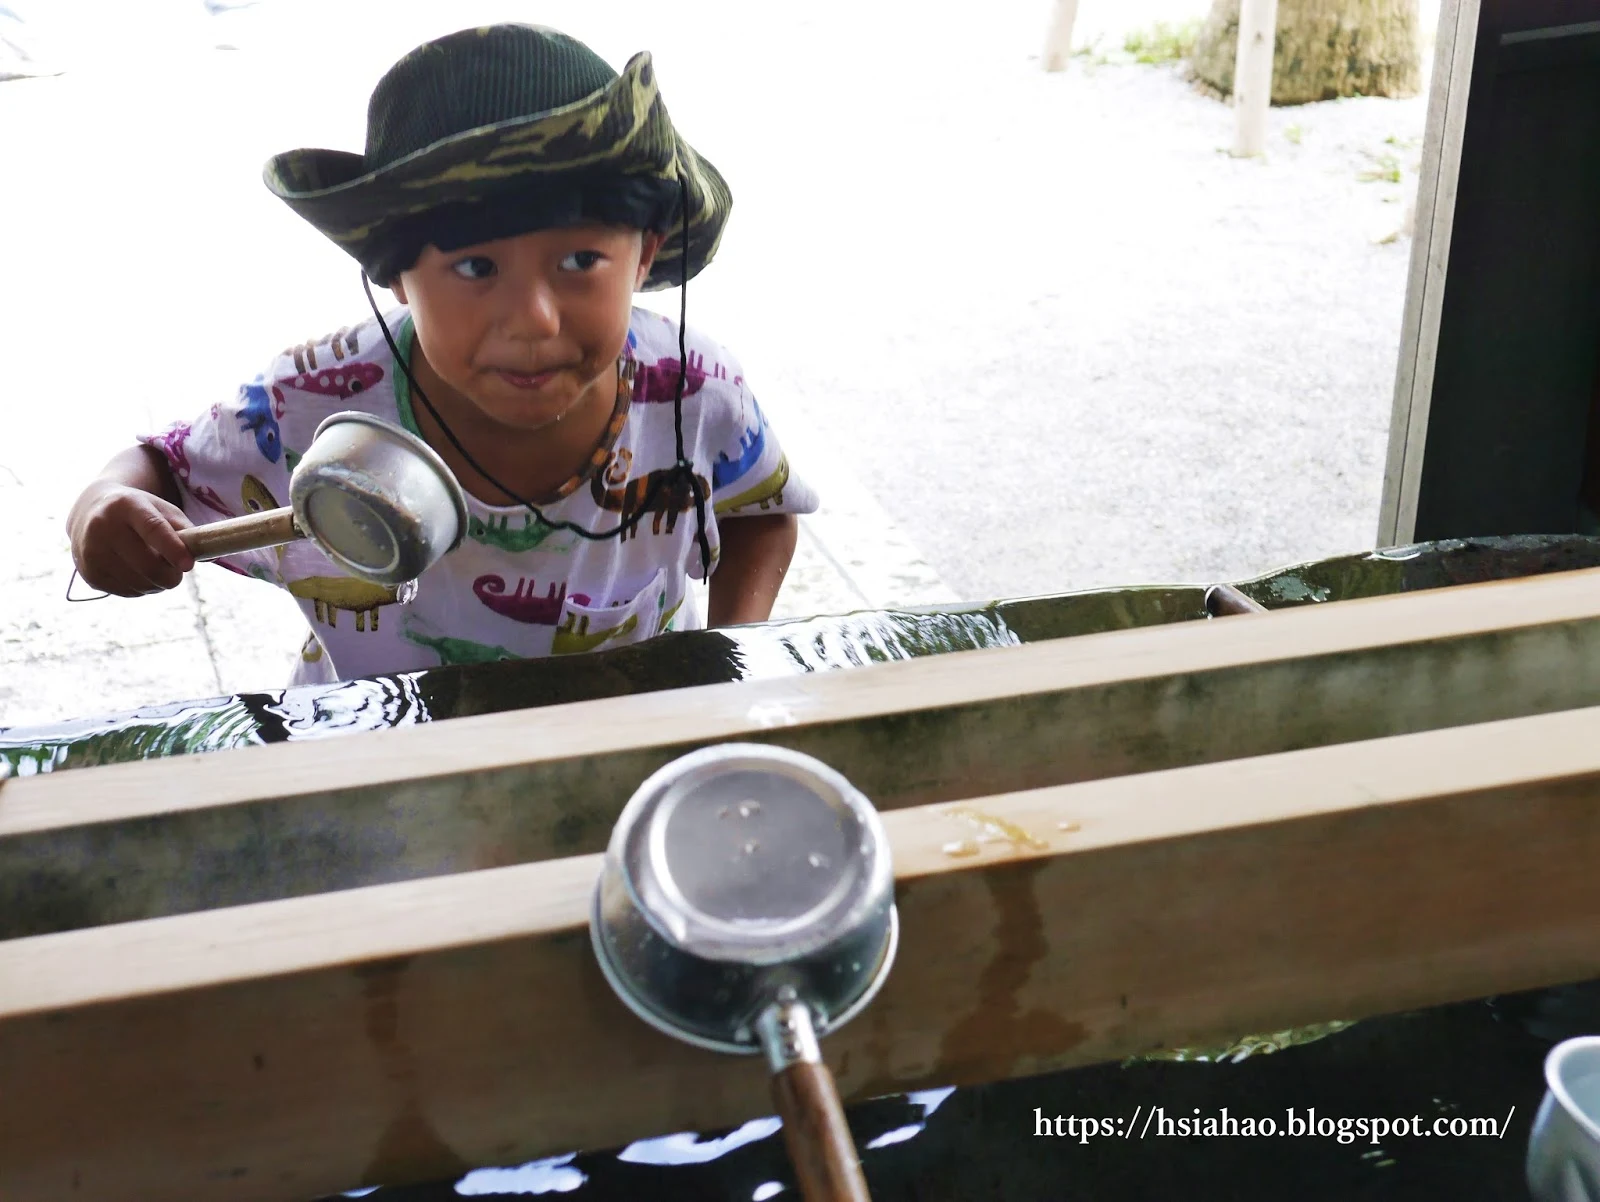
column 746, row 905
column 374, row 498
column 733, row 872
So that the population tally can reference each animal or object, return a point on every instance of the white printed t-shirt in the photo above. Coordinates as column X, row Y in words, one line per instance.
column 514, row 588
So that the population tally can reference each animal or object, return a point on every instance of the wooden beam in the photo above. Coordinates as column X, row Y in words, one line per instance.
column 131, row 841
column 405, row 1032
column 1446, row 124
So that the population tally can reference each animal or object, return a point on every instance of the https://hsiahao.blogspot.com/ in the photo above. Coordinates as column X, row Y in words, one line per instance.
column 1157, row 1122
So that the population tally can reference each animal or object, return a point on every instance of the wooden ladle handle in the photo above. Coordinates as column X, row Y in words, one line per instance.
column 820, row 1148
column 270, row 528
column 819, row 1143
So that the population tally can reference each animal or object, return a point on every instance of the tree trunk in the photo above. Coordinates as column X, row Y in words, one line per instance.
column 1325, row 49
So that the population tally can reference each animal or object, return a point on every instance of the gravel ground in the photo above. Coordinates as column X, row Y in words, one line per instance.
column 1041, row 321
column 1068, row 342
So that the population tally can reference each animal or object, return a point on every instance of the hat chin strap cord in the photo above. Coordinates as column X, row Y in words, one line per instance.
column 683, row 469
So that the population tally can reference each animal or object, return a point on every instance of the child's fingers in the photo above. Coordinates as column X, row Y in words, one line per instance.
column 126, row 571
column 126, row 544
column 134, row 550
column 175, row 516
column 158, row 526
column 132, row 569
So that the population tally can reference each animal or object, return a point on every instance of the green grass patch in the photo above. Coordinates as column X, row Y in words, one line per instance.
column 1162, row 42
column 1385, row 169
column 1155, row 45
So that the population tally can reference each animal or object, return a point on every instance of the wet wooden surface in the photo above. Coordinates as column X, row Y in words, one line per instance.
column 131, row 841
column 405, row 1031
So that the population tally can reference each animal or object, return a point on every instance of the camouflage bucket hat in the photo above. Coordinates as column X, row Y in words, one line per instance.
column 493, row 132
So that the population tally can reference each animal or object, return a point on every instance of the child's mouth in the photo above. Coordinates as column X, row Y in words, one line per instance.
column 525, row 380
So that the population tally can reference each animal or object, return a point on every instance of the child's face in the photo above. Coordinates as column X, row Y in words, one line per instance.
column 526, row 329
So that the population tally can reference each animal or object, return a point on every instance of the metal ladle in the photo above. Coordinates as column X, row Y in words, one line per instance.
column 373, row 497
column 747, row 905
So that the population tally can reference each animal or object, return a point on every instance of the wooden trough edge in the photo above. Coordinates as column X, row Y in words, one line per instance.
column 724, row 711
column 132, row 841
column 404, row 1032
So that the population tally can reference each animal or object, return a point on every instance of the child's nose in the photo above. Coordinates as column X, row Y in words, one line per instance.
column 536, row 314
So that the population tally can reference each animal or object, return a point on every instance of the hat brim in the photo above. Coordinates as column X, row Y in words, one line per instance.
column 623, row 127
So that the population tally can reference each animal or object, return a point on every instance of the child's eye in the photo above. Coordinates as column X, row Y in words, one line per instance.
column 581, row 260
column 476, row 267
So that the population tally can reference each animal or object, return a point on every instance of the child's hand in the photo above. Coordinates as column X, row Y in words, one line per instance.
column 125, row 541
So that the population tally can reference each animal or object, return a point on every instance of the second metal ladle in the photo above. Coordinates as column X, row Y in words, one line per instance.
column 373, row 497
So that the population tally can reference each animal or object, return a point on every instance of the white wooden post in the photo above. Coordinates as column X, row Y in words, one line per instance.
column 1058, row 42
column 1252, row 74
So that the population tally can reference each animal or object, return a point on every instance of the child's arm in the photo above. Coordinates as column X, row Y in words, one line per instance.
column 755, row 556
column 123, row 527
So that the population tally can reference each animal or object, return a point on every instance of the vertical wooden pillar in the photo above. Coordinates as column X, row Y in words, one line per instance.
column 1058, row 41
column 1453, row 57
column 1252, row 74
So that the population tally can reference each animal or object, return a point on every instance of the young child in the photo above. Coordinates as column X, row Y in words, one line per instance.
column 514, row 193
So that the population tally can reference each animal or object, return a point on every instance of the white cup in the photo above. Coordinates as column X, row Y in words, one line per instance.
column 1564, row 1149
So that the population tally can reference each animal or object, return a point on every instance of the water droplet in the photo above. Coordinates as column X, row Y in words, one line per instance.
column 991, row 829
column 746, row 808
column 1068, row 826
column 817, row 860
column 750, row 846
column 961, row 847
